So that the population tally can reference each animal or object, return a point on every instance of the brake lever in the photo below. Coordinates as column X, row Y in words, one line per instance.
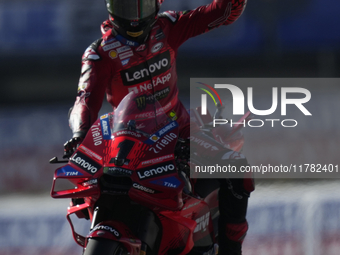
column 55, row 160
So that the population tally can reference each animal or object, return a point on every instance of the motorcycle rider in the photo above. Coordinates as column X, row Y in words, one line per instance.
column 138, row 52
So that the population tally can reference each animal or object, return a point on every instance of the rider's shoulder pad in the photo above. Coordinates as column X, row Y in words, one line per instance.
column 91, row 53
column 171, row 15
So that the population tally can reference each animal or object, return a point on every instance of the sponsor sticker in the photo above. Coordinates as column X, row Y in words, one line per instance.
column 141, row 47
column 154, row 138
column 126, row 41
column 105, row 126
column 156, row 171
column 148, row 86
column 127, row 132
column 167, row 128
column 110, row 229
column 90, row 153
column 145, row 71
column 117, row 171
column 157, row 160
column 107, row 41
column 157, row 47
column 126, row 55
column 111, row 46
column 162, row 143
column 160, row 35
column 90, row 183
column 173, row 115
column 161, row 132
column 143, row 100
column 125, row 61
column 143, row 188
column 104, row 116
column 84, row 162
column 68, row 171
column 151, row 114
column 169, row 182
column 123, row 49
column 202, row 223
column 113, row 54
column 96, row 135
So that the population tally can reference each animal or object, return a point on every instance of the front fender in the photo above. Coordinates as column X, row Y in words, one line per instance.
column 119, row 232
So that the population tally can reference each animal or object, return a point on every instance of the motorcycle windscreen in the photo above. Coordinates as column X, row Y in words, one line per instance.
column 132, row 9
column 141, row 112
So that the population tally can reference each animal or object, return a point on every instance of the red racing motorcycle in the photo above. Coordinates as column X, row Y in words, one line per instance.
column 131, row 181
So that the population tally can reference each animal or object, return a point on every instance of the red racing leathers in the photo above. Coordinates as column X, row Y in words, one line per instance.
column 116, row 66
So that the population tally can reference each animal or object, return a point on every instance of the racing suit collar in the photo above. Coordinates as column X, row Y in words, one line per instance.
column 123, row 40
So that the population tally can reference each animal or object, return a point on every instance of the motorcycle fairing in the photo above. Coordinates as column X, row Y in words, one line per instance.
column 198, row 210
column 137, row 150
column 77, row 177
column 94, row 141
column 190, row 226
column 182, row 227
column 152, row 170
column 80, row 240
column 78, row 171
column 178, row 238
column 127, row 152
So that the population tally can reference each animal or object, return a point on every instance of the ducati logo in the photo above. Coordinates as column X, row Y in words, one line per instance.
column 157, row 47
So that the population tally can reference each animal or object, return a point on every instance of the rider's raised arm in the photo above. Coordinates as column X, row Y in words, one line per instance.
column 92, row 85
column 187, row 24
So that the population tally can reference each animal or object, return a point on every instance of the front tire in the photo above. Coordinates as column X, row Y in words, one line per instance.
column 102, row 246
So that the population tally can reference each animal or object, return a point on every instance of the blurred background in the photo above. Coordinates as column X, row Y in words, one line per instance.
column 41, row 44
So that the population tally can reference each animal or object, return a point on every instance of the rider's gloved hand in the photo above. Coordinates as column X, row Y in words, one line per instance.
column 71, row 145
